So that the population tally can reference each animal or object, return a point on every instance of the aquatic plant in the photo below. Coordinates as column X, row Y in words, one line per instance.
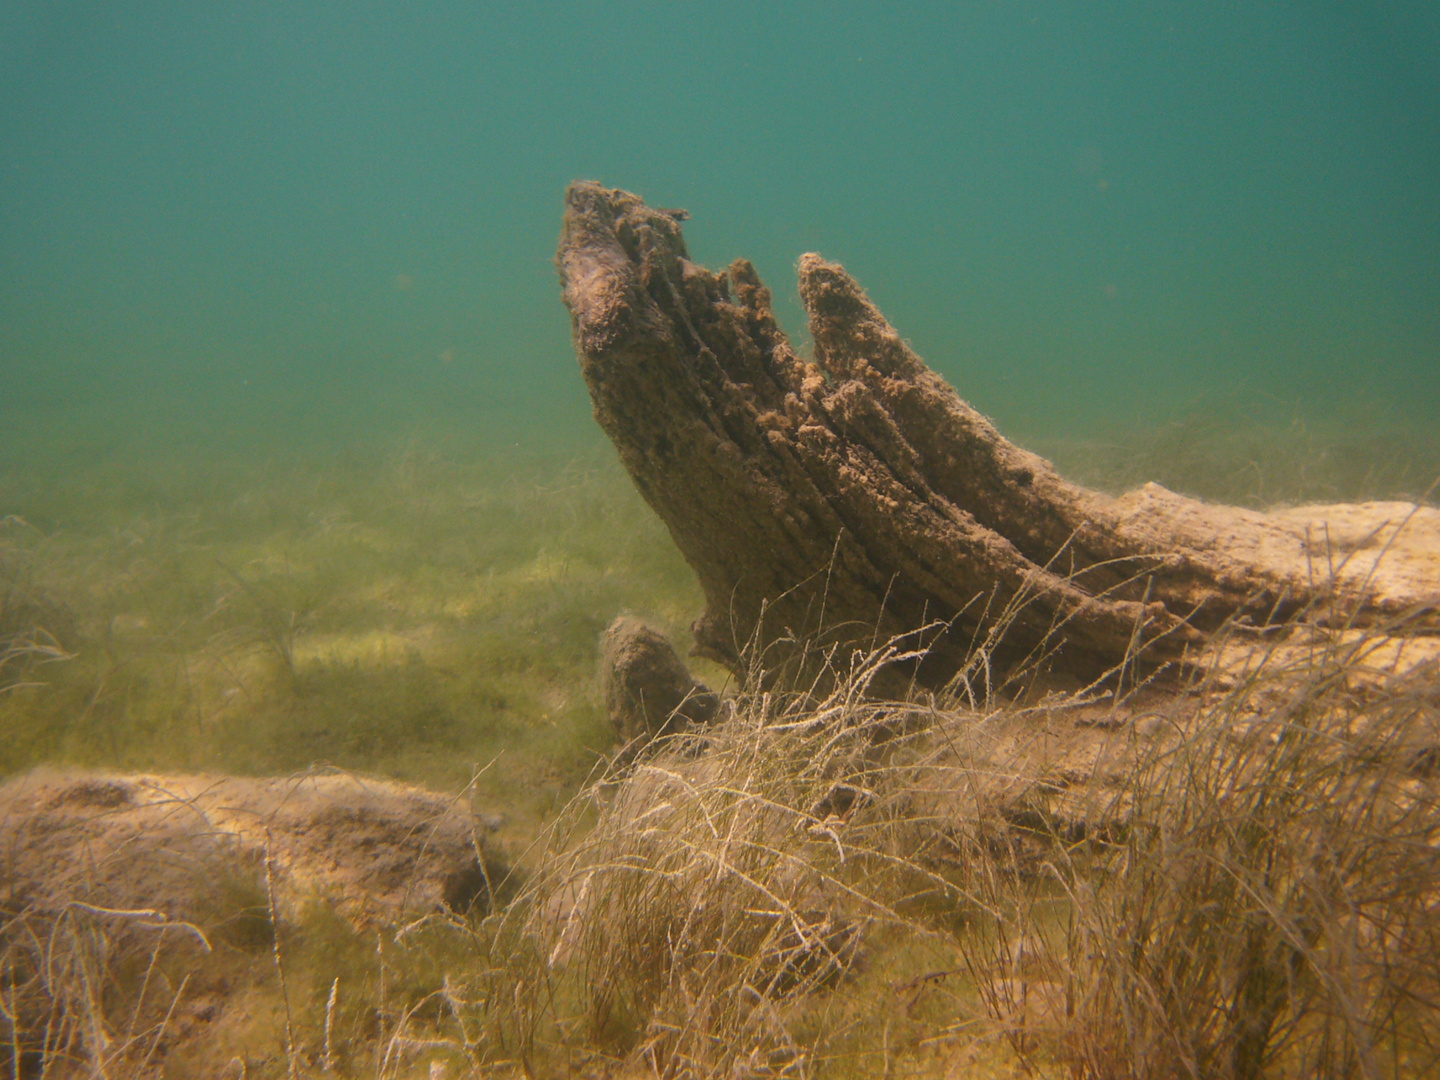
column 822, row 885
column 1236, row 883
column 29, row 619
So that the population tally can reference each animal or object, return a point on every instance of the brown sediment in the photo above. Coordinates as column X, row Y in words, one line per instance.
column 854, row 497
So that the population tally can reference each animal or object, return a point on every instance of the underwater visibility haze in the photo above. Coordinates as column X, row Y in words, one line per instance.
column 291, row 221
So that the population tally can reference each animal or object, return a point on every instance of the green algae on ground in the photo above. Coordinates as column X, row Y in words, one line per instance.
column 411, row 618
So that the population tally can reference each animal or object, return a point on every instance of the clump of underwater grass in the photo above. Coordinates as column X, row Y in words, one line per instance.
column 1260, row 893
column 83, row 991
column 1242, row 882
column 29, row 619
column 683, row 910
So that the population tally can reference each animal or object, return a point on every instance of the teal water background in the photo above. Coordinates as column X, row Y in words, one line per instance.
column 303, row 221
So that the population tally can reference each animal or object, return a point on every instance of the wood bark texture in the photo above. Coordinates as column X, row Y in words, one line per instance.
column 854, row 496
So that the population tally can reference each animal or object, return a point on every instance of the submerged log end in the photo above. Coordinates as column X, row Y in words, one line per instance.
column 856, row 497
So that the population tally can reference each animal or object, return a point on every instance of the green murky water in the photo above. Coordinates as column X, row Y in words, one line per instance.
column 295, row 223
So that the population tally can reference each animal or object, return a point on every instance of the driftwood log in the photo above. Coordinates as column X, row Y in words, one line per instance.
column 854, row 497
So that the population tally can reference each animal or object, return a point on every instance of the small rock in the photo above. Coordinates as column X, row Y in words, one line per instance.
column 648, row 689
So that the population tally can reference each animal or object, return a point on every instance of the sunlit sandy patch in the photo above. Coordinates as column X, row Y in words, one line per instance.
column 378, row 647
column 550, row 568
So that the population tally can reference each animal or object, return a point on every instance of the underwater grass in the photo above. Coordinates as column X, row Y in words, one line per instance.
column 411, row 606
column 1242, row 885
column 410, row 616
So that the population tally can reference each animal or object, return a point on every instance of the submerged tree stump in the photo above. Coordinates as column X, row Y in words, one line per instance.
column 856, row 497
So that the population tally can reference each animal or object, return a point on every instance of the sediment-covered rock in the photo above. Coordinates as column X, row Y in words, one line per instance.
column 377, row 850
column 648, row 689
